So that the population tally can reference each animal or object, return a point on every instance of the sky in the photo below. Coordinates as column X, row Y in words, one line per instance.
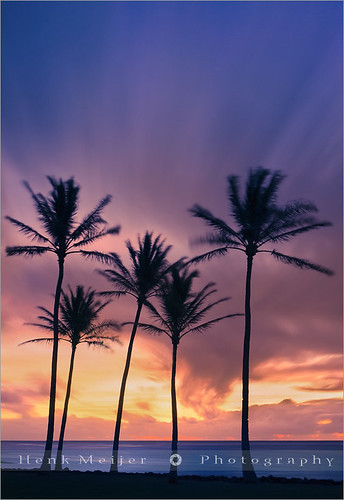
column 156, row 103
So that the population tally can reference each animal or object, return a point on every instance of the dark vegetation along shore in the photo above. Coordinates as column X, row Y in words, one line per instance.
column 75, row 484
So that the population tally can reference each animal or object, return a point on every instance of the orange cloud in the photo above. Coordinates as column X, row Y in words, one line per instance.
column 324, row 422
column 287, row 420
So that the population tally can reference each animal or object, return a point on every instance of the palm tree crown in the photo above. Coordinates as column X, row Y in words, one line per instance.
column 260, row 221
column 149, row 265
column 79, row 311
column 57, row 214
column 182, row 310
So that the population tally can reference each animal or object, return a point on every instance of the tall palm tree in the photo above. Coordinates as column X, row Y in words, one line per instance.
column 63, row 236
column 260, row 222
column 148, row 267
column 80, row 311
column 182, row 312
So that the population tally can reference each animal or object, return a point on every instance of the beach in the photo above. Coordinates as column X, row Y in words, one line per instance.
column 75, row 484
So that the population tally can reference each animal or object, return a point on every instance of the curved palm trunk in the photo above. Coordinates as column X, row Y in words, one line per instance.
column 65, row 412
column 114, row 461
column 174, row 447
column 50, row 431
column 247, row 468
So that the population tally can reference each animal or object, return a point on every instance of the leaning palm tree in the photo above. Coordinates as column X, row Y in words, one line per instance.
column 63, row 236
column 79, row 311
column 148, row 267
column 182, row 312
column 260, row 222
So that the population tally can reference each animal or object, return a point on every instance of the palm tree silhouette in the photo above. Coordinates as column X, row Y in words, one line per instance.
column 63, row 236
column 148, row 267
column 260, row 221
column 182, row 313
column 79, row 311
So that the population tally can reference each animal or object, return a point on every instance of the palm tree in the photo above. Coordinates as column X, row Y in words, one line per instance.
column 182, row 313
column 260, row 221
column 79, row 311
column 63, row 236
column 148, row 267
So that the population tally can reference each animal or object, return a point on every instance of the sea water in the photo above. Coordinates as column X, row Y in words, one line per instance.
column 298, row 459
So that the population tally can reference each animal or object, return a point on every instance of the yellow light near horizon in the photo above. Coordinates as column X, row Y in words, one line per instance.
column 324, row 422
column 9, row 415
column 273, row 393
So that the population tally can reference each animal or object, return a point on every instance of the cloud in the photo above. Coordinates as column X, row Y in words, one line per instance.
column 314, row 419
column 9, row 397
column 336, row 384
column 143, row 405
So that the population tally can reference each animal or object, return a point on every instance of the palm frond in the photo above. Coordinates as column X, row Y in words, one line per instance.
column 63, row 203
column 117, row 262
column 296, row 208
column 100, row 338
column 29, row 231
column 212, row 221
column 152, row 329
column 41, row 325
column 48, row 321
column 94, row 255
column 236, row 206
column 124, row 284
column 98, row 328
column 289, row 234
column 196, row 309
column 99, row 306
column 110, row 293
column 301, row 263
column 45, row 214
column 209, row 255
column 63, row 329
column 293, row 215
column 178, row 264
column 278, row 224
column 92, row 220
column 196, row 312
column 47, row 340
column 96, row 343
column 205, row 326
column 215, row 239
column 46, row 311
column 155, row 313
column 49, row 325
column 112, row 338
column 269, row 194
column 27, row 251
column 91, row 237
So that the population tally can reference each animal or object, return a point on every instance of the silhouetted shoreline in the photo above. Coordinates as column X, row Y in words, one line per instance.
column 34, row 483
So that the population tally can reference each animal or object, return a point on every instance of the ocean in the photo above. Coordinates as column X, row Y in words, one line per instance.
column 298, row 459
